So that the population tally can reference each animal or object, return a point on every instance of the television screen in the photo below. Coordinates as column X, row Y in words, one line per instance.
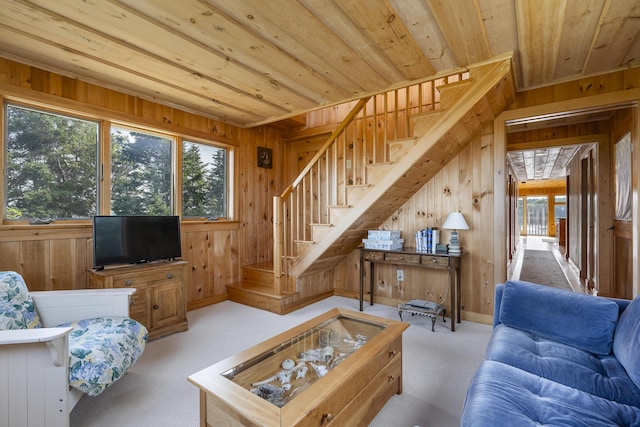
column 135, row 239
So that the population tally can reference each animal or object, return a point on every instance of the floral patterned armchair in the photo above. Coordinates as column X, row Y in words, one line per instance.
column 56, row 346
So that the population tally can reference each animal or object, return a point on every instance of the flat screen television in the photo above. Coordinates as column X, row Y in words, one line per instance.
column 134, row 239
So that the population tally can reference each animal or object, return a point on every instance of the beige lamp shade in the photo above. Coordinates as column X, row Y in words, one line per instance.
column 455, row 221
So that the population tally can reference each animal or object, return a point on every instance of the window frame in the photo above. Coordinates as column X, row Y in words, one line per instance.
column 228, row 181
column 47, row 109
column 103, row 166
column 107, row 165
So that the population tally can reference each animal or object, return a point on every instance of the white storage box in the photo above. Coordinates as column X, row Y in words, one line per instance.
column 383, row 244
column 383, row 235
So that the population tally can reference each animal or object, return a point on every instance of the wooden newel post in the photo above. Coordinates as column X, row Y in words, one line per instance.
column 278, row 244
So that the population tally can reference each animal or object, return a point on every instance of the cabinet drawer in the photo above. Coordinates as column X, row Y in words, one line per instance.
column 435, row 260
column 373, row 256
column 134, row 280
column 386, row 363
column 402, row 258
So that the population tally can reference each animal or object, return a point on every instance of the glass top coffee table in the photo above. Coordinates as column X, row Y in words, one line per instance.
column 341, row 367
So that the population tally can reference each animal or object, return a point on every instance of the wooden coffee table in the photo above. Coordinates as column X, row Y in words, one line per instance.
column 352, row 365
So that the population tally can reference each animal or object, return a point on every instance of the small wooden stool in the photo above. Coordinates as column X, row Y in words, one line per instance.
column 423, row 308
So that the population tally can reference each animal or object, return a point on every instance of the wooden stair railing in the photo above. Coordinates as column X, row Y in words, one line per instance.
column 358, row 142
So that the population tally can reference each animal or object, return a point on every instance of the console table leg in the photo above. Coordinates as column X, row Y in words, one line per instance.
column 371, row 274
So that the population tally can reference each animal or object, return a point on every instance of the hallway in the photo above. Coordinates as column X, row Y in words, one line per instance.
column 545, row 244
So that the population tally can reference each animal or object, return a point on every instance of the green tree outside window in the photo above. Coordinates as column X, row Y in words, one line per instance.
column 140, row 173
column 50, row 166
column 204, row 181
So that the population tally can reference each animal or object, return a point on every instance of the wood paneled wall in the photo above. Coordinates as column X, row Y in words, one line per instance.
column 466, row 185
column 58, row 256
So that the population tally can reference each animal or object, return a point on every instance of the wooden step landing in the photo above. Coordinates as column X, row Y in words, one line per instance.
column 261, row 273
column 258, row 295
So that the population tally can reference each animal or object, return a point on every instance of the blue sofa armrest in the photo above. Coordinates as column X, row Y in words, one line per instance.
column 575, row 319
column 622, row 304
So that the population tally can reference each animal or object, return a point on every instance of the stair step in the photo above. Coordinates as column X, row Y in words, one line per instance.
column 399, row 147
column 378, row 164
column 355, row 193
column 423, row 122
column 259, row 273
column 259, row 296
column 304, row 242
column 454, row 85
column 338, row 211
column 318, row 231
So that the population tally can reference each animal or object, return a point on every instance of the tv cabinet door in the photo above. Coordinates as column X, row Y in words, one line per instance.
column 167, row 306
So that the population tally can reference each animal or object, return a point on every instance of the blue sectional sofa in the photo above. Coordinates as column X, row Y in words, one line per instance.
column 558, row 358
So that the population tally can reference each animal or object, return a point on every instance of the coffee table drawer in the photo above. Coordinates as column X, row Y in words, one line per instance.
column 374, row 396
column 384, row 370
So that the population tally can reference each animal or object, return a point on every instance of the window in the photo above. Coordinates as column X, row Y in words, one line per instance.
column 537, row 215
column 51, row 165
column 204, row 181
column 140, row 173
column 55, row 169
column 560, row 207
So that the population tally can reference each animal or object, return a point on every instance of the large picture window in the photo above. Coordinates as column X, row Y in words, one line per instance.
column 51, row 163
column 58, row 167
column 204, row 181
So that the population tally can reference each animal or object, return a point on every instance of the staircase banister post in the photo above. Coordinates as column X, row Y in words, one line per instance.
column 278, row 244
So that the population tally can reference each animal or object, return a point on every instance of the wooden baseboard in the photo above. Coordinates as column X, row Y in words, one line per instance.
column 393, row 302
column 193, row 305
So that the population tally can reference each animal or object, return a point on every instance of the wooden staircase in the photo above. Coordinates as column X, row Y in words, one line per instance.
column 370, row 166
column 256, row 289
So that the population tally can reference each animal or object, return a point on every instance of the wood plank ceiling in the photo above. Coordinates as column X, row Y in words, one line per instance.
column 253, row 62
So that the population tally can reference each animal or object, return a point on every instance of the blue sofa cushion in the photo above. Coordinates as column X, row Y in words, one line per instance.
column 101, row 350
column 578, row 320
column 626, row 342
column 501, row 395
column 600, row 375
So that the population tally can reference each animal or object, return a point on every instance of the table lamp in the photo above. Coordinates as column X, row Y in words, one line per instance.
column 455, row 221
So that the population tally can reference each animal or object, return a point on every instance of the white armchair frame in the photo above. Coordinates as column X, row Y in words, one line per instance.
column 34, row 363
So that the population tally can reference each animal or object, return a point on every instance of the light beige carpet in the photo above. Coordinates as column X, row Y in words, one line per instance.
column 437, row 367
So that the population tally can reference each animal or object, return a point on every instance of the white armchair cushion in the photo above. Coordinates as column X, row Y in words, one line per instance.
column 101, row 350
column 17, row 310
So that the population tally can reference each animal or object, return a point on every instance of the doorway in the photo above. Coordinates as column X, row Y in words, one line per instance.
column 595, row 124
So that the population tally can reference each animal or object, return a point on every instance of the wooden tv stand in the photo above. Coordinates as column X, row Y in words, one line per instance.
column 160, row 301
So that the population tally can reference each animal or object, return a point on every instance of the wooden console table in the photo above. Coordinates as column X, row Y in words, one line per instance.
column 411, row 258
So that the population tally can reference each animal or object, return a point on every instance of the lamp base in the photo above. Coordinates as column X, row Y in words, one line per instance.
column 455, row 250
column 454, row 245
